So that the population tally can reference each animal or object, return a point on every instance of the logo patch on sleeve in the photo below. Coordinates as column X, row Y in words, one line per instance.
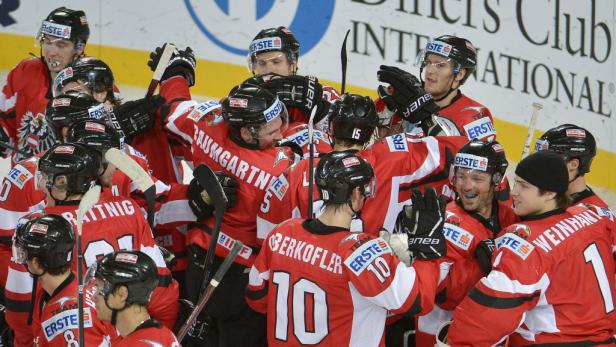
column 397, row 143
column 19, row 175
column 515, row 244
column 480, row 129
column 458, row 236
column 279, row 186
column 359, row 260
column 198, row 112
column 64, row 321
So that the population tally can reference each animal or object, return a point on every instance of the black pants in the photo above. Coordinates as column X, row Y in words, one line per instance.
column 236, row 324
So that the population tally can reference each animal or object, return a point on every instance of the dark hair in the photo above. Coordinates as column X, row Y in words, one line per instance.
column 563, row 200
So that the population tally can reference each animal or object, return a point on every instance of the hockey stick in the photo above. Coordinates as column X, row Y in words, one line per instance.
column 14, row 149
column 343, row 62
column 88, row 200
column 531, row 129
column 209, row 290
column 311, row 160
column 208, row 180
column 138, row 175
column 160, row 68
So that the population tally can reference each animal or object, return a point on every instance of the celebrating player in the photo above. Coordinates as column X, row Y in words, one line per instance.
column 123, row 285
column 341, row 284
column 527, row 295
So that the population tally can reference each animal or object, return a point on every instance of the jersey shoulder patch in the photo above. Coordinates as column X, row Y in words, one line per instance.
column 480, row 128
column 515, row 244
column 279, row 186
column 19, row 175
column 363, row 255
column 457, row 236
column 397, row 143
column 203, row 109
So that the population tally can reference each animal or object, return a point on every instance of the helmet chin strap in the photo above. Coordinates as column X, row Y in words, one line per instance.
column 451, row 89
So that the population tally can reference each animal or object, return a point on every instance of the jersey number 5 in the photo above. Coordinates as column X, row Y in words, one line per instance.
column 309, row 302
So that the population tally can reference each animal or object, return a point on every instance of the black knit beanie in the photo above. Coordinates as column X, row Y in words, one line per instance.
column 546, row 170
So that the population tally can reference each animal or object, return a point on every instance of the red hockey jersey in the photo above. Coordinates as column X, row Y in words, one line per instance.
column 23, row 101
column 322, row 285
column 460, row 270
column 551, row 282
column 149, row 334
column 55, row 320
column 211, row 144
column 470, row 117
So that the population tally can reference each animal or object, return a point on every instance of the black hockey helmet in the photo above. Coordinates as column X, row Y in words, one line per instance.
column 92, row 72
column 67, row 24
column 95, row 134
column 77, row 162
column 571, row 140
column 250, row 106
column 338, row 173
column 484, row 156
column 49, row 237
column 353, row 117
column 133, row 269
column 461, row 51
column 67, row 108
column 273, row 39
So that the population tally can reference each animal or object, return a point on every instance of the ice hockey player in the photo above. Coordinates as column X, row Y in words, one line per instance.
column 45, row 245
column 445, row 64
column 552, row 250
column 580, row 148
column 62, row 36
column 473, row 221
column 237, row 139
column 341, row 284
column 274, row 55
column 123, row 285
column 354, row 122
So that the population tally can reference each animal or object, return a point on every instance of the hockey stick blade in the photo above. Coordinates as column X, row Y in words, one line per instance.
column 209, row 290
column 88, row 200
column 531, row 129
column 208, row 180
column 160, row 68
column 137, row 174
column 343, row 61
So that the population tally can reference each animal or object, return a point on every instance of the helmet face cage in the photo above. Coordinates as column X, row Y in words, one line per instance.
column 481, row 156
column 353, row 118
column 573, row 142
column 273, row 40
column 49, row 237
column 66, row 24
column 459, row 52
column 338, row 173
column 133, row 269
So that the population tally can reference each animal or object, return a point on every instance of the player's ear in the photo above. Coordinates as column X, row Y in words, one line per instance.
column 246, row 135
column 460, row 75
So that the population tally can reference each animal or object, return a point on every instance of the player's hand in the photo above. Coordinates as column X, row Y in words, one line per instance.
column 199, row 200
column 301, row 92
column 405, row 94
column 399, row 245
column 483, row 253
column 182, row 63
column 423, row 223
column 137, row 116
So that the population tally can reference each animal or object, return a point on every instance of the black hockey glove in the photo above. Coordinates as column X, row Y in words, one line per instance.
column 169, row 257
column 199, row 201
column 423, row 223
column 4, row 138
column 182, row 63
column 136, row 117
column 301, row 92
column 483, row 253
column 405, row 94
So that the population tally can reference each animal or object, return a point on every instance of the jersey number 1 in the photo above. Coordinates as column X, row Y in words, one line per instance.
column 308, row 301
column 592, row 256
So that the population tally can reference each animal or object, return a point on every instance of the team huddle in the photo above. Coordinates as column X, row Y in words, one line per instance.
column 346, row 220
